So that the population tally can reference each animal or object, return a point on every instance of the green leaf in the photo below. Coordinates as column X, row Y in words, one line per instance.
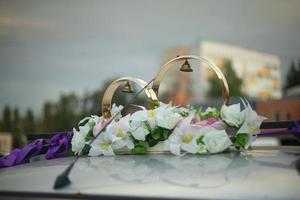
column 135, row 141
column 202, row 149
column 91, row 124
column 199, row 140
column 148, row 126
column 89, row 136
column 198, row 111
column 151, row 141
column 241, row 140
column 166, row 134
column 139, row 149
column 215, row 115
column 156, row 134
column 184, row 114
column 156, row 104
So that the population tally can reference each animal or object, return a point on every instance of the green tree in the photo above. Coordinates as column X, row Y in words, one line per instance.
column 293, row 76
column 7, row 119
column 91, row 104
column 18, row 136
column 67, row 113
column 64, row 114
column 48, row 123
column 234, row 82
column 29, row 123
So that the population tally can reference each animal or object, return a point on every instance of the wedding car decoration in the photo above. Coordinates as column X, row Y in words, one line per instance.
column 180, row 130
column 163, row 127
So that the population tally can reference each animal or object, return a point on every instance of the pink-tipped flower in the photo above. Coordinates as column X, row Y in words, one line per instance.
column 211, row 122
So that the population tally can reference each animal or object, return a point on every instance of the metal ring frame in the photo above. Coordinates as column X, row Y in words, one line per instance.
column 153, row 92
column 166, row 67
column 109, row 92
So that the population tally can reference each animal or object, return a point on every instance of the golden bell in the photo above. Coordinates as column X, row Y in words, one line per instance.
column 186, row 67
column 128, row 88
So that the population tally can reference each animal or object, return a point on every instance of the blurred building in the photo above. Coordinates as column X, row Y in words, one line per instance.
column 279, row 110
column 5, row 143
column 176, row 85
column 261, row 72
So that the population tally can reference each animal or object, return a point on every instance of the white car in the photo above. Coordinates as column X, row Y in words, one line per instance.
column 256, row 174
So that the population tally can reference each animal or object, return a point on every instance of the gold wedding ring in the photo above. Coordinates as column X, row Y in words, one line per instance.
column 166, row 67
column 109, row 92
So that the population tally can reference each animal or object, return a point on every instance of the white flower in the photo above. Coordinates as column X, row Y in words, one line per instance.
column 77, row 141
column 142, row 121
column 85, row 126
column 137, row 125
column 84, row 130
column 120, row 131
column 104, row 143
column 232, row 115
column 89, row 123
column 216, row 141
column 98, row 127
column 185, row 111
column 115, row 110
column 166, row 118
column 210, row 109
column 99, row 121
column 184, row 138
column 96, row 118
column 251, row 124
column 92, row 118
column 140, row 132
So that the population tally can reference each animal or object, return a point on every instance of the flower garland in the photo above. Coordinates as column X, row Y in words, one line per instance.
column 181, row 130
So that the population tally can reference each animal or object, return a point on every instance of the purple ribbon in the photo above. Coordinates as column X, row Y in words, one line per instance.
column 295, row 130
column 58, row 146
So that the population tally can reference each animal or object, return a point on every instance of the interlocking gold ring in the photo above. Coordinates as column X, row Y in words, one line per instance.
column 109, row 92
column 166, row 67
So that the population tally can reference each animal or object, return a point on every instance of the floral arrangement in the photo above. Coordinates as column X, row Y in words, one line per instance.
column 175, row 129
column 180, row 130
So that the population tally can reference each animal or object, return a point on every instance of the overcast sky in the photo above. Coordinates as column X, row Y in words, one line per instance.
column 51, row 47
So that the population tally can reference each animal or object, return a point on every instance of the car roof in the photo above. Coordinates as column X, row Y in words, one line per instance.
column 256, row 174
